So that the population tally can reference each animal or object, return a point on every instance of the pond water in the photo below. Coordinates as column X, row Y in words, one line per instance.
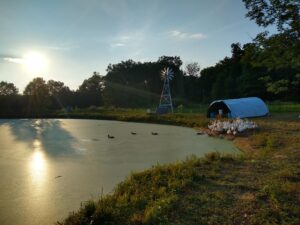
column 49, row 166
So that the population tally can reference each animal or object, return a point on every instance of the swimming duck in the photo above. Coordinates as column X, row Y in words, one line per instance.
column 110, row 137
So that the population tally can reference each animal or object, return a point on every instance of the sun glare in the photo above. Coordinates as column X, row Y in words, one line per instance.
column 37, row 162
column 35, row 62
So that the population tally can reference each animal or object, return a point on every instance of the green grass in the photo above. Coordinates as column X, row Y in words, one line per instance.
column 284, row 107
column 261, row 186
column 140, row 115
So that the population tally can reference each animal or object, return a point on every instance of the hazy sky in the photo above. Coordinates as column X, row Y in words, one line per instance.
column 76, row 37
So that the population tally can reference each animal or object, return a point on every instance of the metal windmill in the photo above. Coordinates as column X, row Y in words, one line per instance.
column 165, row 104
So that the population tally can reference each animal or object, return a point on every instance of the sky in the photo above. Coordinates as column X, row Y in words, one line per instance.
column 68, row 40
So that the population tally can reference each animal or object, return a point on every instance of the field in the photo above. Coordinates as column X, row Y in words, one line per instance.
column 260, row 186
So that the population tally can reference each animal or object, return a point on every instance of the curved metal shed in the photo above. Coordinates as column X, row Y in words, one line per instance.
column 238, row 108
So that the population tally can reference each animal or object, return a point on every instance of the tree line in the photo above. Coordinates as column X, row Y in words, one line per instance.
column 267, row 67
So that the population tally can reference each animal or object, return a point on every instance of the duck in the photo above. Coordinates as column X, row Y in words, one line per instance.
column 133, row 133
column 110, row 137
column 154, row 133
column 199, row 133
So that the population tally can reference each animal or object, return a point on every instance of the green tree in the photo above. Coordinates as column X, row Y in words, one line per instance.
column 8, row 88
column 172, row 61
column 10, row 101
column 285, row 14
column 132, row 84
column 278, row 53
column 60, row 95
column 192, row 69
column 90, row 91
column 57, row 88
column 136, row 84
column 281, row 50
column 37, row 93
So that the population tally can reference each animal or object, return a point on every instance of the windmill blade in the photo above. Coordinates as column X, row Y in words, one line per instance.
column 167, row 73
column 170, row 78
column 170, row 71
column 163, row 73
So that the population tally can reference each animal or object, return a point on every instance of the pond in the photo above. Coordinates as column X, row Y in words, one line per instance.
column 49, row 166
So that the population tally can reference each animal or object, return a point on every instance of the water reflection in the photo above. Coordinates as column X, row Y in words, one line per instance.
column 47, row 135
column 37, row 163
column 35, row 153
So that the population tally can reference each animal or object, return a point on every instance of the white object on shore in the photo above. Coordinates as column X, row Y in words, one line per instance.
column 232, row 127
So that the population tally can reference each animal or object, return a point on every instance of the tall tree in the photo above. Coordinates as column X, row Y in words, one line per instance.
column 174, row 61
column 56, row 88
column 281, row 50
column 10, row 101
column 278, row 53
column 192, row 69
column 90, row 91
column 285, row 14
column 60, row 94
column 8, row 88
column 38, row 95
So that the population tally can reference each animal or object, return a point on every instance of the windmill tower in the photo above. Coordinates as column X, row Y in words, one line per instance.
column 165, row 104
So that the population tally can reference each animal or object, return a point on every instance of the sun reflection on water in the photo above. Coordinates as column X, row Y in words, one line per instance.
column 38, row 179
column 37, row 164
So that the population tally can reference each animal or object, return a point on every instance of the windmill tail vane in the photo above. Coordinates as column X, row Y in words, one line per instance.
column 165, row 104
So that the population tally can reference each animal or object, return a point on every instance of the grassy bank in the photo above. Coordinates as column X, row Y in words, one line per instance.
column 260, row 187
column 182, row 119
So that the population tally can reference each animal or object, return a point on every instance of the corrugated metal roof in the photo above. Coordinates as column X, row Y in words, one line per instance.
column 245, row 107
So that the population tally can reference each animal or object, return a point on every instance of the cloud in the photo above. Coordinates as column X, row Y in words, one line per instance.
column 185, row 35
column 62, row 47
column 13, row 60
column 125, row 37
column 119, row 44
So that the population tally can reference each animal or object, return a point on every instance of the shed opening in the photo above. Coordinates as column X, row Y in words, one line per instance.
column 218, row 109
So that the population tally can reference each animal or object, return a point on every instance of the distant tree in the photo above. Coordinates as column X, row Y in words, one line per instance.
column 92, row 84
column 61, row 95
column 285, row 87
column 278, row 51
column 90, row 91
column 237, row 52
column 192, row 69
column 173, row 61
column 56, row 88
column 192, row 87
column 132, row 84
column 10, row 101
column 136, row 84
column 37, row 93
column 8, row 88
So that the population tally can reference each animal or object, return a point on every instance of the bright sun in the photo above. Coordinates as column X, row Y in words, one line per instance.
column 35, row 62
